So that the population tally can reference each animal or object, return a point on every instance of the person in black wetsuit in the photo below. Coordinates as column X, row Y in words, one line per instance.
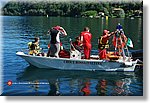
column 55, row 33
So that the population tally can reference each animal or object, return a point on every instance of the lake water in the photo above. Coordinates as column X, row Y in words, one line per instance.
column 27, row 80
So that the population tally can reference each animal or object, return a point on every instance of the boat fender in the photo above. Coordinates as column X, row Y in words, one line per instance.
column 128, row 63
column 20, row 53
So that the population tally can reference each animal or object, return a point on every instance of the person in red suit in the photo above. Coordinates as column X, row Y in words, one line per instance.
column 77, row 44
column 86, row 37
column 103, row 44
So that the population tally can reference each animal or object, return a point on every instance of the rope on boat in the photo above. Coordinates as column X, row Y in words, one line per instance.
column 140, row 64
column 140, row 61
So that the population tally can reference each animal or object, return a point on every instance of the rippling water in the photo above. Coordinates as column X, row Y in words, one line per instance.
column 27, row 80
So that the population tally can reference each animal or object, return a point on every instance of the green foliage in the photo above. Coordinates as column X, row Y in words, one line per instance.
column 73, row 9
column 106, row 11
column 89, row 13
column 119, row 13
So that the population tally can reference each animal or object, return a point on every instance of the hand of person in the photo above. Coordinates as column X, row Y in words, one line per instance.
column 61, row 28
column 48, row 32
column 116, row 31
column 112, row 33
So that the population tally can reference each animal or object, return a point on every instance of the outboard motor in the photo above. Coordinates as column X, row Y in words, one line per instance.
column 74, row 53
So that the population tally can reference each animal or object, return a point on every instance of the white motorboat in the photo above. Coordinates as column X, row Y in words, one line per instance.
column 78, row 63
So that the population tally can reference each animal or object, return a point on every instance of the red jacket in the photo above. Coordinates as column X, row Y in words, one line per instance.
column 87, row 36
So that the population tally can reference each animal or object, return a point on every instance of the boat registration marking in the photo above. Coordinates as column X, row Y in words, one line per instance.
column 82, row 62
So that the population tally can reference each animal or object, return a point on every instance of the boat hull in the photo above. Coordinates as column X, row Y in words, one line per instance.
column 77, row 64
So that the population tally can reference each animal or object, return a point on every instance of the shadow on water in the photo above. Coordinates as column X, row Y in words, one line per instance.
column 62, row 82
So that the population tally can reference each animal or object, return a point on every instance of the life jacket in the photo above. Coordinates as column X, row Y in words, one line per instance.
column 29, row 45
column 102, row 45
column 33, row 47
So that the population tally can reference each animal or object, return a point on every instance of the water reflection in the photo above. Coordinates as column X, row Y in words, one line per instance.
column 101, row 87
column 122, row 87
column 54, row 88
column 83, row 83
column 35, row 85
column 86, row 89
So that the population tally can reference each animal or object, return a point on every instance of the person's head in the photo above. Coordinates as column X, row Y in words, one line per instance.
column 36, row 39
column 86, row 29
column 105, row 32
column 118, row 23
column 77, row 38
column 56, row 27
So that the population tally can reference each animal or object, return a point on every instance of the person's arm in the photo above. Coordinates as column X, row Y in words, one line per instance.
column 35, row 51
column 107, row 36
column 91, row 36
column 63, row 30
column 112, row 33
column 81, row 39
column 49, row 31
column 124, row 38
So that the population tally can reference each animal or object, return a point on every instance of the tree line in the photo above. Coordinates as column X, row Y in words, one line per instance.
column 74, row 9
